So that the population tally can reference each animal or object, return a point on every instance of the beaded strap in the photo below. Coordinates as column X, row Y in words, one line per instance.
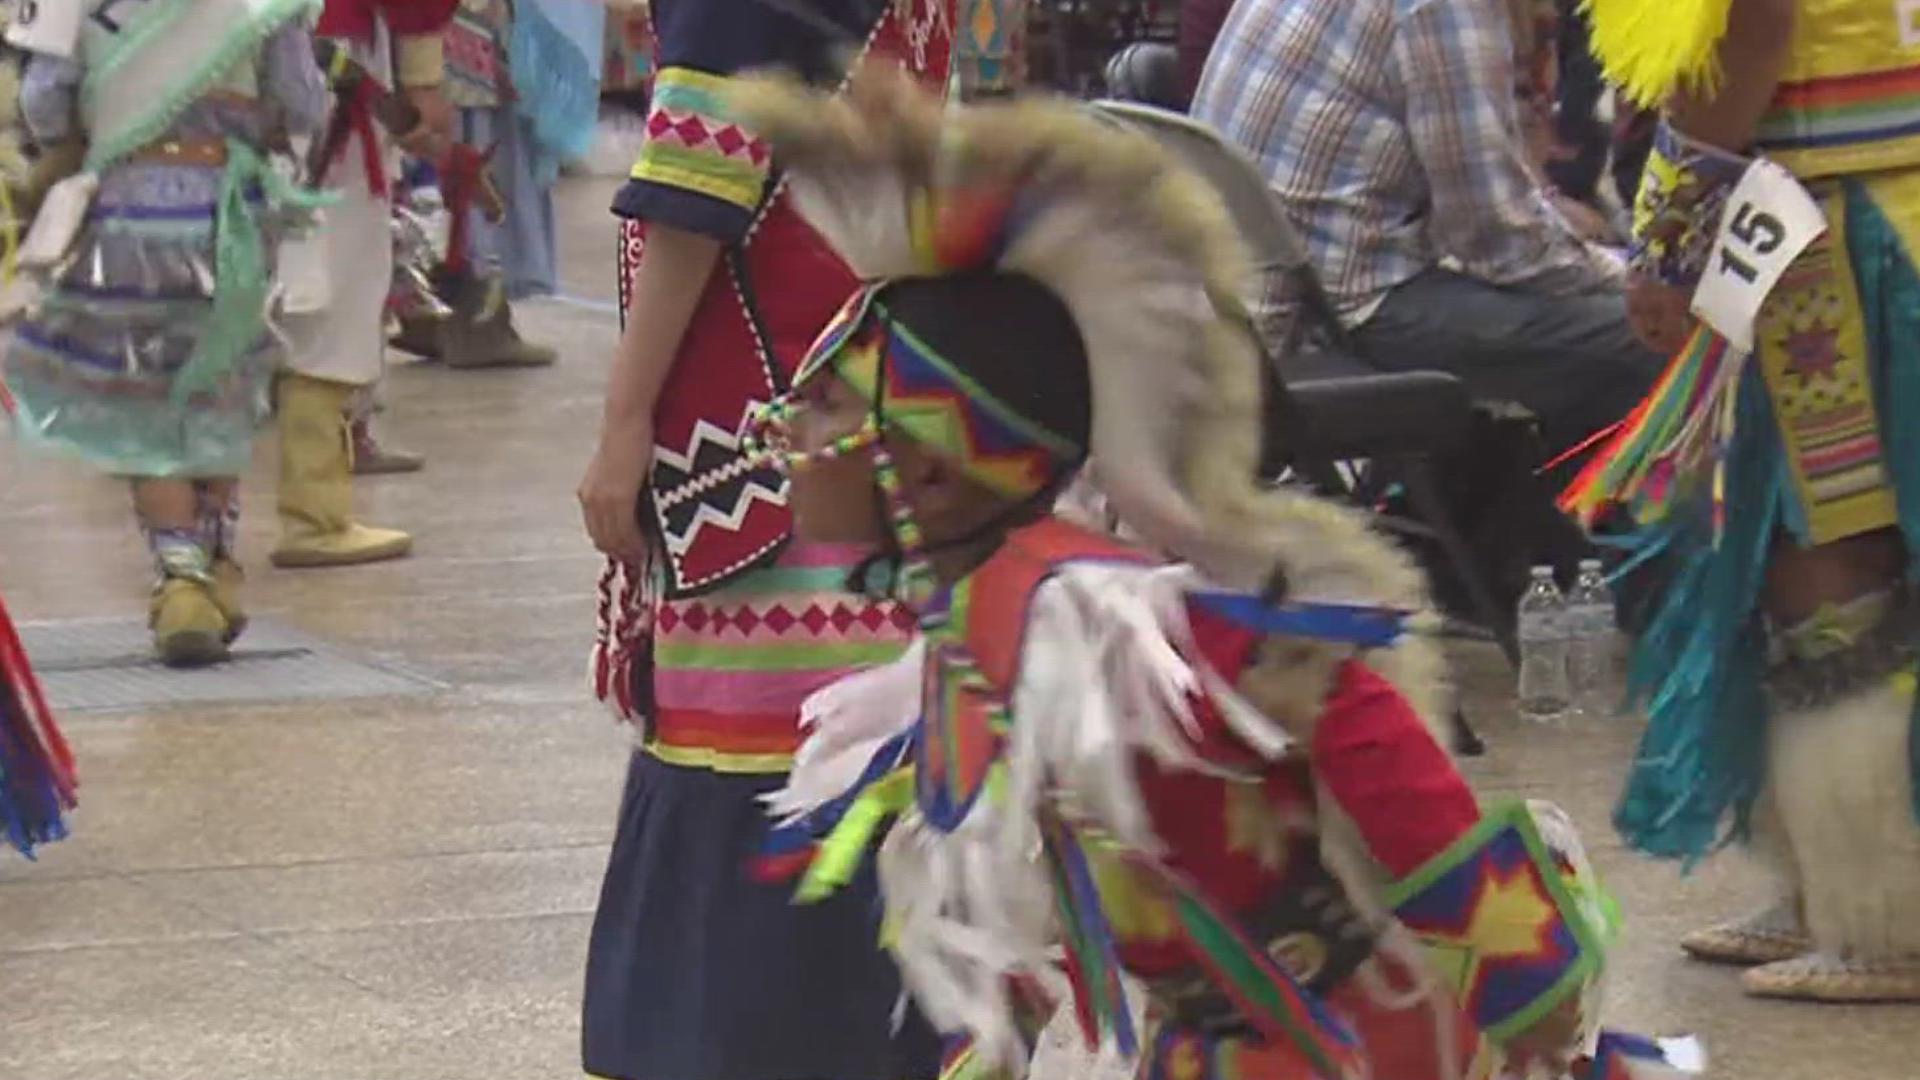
column 1677, row 212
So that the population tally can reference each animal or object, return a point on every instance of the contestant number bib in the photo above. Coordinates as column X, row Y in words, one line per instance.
column 1770, row 219
column 51, row 27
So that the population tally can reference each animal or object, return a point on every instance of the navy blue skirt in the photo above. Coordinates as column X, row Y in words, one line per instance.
column 696, row 971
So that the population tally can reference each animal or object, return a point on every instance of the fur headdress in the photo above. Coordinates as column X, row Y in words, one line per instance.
column 1142, row 253
column 1142, row 256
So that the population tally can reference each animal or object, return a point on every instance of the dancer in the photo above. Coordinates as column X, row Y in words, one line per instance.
column 36, row 768
column 1775, row 496
column 714, row 625
column 480, row 285
column 389, row 66
column 1192, row 774
column 150, row 356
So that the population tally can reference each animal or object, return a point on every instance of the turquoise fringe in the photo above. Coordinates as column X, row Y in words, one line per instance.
column 1890, row 292
column 555, row 63
column 243, row 273
column 1700, row 663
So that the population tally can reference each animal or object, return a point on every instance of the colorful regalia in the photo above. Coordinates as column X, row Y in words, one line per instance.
column 1186, row 787
column 1801, row 735
column 150, row 354
column 36, row 768
column 696, row 971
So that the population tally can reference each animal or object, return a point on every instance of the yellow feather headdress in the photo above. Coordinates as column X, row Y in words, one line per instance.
column 1655, row 48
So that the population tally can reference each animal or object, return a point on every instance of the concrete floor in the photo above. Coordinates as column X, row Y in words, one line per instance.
column 400, row 889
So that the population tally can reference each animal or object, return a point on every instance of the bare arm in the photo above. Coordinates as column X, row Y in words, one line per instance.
column 1753, row 58
column 667, row 286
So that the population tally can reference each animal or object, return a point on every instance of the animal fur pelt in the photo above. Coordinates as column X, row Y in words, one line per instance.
column 1844, row 798
column 1143, row 253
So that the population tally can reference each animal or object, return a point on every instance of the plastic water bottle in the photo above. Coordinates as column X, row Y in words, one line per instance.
column 1545, row 690
column 1590, row 622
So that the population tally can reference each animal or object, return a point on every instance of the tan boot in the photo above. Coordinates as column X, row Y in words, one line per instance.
column 420, row 335
column 370, row 458
column 1837, row 980
column 316, row 482
column 1764, row 938
column 189, row 629
column 480, row 333
column 228, row 579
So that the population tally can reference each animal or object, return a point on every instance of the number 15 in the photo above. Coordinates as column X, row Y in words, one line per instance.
column 1756, row 229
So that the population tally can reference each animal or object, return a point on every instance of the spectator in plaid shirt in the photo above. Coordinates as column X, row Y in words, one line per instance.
column 1390, row 131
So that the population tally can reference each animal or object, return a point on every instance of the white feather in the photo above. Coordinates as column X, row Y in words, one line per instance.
column 848, row 722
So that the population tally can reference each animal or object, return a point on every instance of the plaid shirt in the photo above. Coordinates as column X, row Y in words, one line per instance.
column 1389, row 130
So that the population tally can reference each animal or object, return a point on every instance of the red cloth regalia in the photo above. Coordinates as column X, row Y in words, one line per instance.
column 356, row 20
column 1185, row 786
column 36, row 768
column 715, row 514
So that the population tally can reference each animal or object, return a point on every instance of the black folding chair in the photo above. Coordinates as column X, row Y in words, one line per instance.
column 1351, row 429
column 1147, row 72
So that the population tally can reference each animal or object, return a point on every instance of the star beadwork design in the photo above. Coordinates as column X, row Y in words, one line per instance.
column 1513, row 917
column 1813, row 354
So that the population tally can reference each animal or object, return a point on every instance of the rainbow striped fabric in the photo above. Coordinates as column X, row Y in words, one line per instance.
column 1850, row 99
column 731, row 667
column 695, row 144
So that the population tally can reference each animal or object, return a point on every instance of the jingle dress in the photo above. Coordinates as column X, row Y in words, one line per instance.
column 150, row 356
column 696, row 971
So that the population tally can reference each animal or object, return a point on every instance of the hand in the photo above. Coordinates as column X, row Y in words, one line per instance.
column 434, row 131
column 1587, row 222
column 610, row 492
column 1659, row 314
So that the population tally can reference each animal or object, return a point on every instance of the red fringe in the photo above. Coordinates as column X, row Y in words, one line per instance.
column 623, row 632
column 16, row 673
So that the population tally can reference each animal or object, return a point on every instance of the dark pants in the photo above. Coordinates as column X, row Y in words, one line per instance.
column 1570, row 360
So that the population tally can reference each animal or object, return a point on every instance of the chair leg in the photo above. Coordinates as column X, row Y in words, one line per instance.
column 1423, row 491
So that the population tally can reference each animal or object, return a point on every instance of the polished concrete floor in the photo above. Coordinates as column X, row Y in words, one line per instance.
column 400, row 889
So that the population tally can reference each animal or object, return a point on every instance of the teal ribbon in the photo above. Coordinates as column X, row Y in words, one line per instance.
column 242, row 283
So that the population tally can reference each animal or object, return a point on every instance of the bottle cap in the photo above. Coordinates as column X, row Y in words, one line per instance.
column 1589, row 564
column 1543, row 573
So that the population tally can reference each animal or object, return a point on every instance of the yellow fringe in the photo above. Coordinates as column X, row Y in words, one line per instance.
column 1654, row 48
column 845, row 848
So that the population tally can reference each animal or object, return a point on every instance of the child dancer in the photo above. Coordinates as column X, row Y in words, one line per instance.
column 150, row 356
column 1189, row 775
